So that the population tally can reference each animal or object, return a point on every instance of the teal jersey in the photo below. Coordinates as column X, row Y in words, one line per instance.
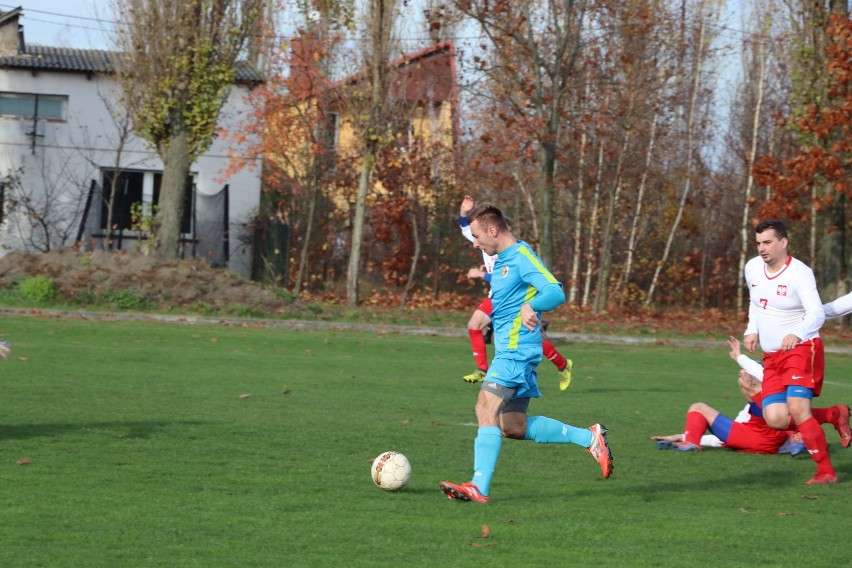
column 518, row 277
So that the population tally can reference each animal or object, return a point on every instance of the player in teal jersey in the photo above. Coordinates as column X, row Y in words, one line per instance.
column 521, row 288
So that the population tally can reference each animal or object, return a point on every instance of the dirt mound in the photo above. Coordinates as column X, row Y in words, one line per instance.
column 84, row 276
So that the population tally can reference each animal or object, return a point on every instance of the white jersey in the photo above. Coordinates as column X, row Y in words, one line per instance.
column 838, row 308
column 783, row 303
column 487, row 259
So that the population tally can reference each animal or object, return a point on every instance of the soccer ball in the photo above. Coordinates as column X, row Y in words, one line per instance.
column 391, row 471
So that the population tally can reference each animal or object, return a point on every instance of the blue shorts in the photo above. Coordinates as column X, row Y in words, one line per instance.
column 791, row 392
column 517, row 371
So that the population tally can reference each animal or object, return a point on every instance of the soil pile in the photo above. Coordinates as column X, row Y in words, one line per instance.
column 86, row 276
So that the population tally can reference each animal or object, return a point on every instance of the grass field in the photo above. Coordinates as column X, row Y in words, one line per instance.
column 178, row 445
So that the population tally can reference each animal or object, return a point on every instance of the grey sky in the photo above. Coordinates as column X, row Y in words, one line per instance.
column 64, row 23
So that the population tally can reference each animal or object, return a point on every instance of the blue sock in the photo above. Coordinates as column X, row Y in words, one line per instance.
column 486, row 449
column 543, row 430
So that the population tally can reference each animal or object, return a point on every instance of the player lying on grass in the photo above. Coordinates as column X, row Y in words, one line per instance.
column 751, row 434
column 749, row 431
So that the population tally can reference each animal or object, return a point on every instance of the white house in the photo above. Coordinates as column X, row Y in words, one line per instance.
column 63, row 138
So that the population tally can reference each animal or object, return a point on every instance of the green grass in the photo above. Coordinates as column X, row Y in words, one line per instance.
column 145, row 452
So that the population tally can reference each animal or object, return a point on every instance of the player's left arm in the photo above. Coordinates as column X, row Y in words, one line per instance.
column 814, row 314
column 545, row 292
column 547, row 298
column 838, row 308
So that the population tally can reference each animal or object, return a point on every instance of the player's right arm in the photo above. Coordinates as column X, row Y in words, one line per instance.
column 464, row 223
column 750, row 366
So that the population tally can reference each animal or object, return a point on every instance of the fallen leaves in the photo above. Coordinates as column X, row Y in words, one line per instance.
column 486, row 533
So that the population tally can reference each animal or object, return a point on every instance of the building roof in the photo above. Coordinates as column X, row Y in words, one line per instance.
column 70, row 60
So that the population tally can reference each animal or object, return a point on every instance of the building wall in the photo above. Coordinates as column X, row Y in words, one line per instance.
column 67, row 156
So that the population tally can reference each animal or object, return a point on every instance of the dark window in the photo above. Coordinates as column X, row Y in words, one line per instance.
column 128, row 190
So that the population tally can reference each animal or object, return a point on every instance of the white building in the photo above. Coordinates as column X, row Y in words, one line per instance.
column 62, row 140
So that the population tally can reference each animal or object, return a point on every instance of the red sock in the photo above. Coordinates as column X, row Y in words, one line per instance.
column 551, row 353
column 695, row 427
column 814, row 440
column 477, row 342
column 826, row 415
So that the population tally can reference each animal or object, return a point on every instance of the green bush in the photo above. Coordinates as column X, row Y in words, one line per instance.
column 123, row 299
column 37, row 288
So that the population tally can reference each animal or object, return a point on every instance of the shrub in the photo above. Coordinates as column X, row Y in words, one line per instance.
column 123, row 299
column 37, row 288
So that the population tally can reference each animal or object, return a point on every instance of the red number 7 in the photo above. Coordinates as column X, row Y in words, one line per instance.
column 763, row 302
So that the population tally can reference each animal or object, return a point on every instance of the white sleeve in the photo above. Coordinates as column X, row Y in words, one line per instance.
column 838, row 308
column 814, row 314
column 744, row 415
column 466, row 232
column 710, row 441
column 751, row 366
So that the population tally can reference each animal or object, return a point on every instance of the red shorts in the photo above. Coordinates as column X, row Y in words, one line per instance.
column 802, row 366
column 756, row 437
column 486, row 307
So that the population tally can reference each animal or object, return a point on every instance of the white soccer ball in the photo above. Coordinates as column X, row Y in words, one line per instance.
column 391, row 471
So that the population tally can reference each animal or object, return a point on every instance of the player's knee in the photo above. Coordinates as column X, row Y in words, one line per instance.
column 697, row 407
column 514, row 431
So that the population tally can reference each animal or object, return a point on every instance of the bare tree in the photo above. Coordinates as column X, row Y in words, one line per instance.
column 45, row 215
column 691, row 132
column 535, row 49
column 369, row 107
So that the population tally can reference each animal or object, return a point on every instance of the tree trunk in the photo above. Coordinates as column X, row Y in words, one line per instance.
column 745, row 227
column 593, row 225
column 578, row 210
column 416, row 255
column 637, row 210
column 313, row 197
column 353, row 272
column 545, row 203
column 605, row 262
column 172, row 194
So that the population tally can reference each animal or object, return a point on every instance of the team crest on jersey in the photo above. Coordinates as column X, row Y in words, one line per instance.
column 505, row 271
column 782, row 290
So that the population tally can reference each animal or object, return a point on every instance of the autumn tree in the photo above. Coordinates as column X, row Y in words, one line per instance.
column 178, row 62
column 822, row 158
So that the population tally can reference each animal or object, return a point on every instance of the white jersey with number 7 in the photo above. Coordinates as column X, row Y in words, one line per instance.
column 786, row 302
